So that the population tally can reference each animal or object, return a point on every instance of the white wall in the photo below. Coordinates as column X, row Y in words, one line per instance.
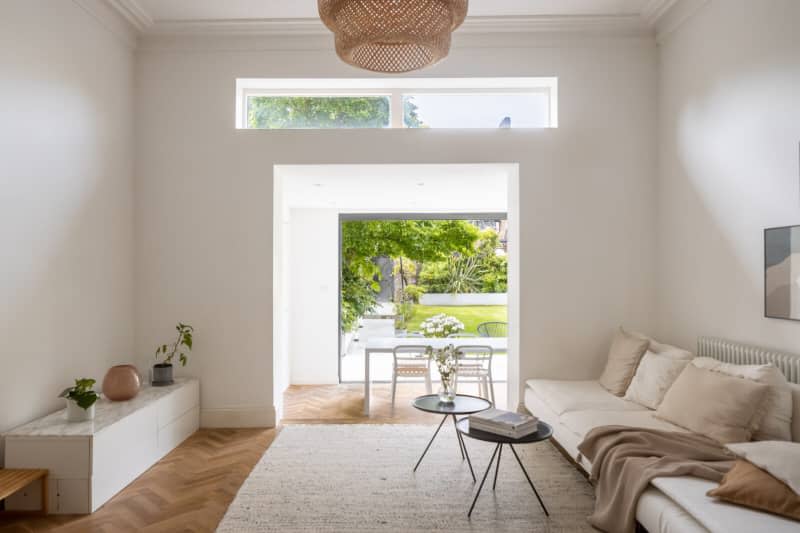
column 66, row 204
column 313, row 296
column 204, row 215
column 729, row 133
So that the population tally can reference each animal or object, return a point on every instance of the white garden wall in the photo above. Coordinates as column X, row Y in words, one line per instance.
column 486, row 298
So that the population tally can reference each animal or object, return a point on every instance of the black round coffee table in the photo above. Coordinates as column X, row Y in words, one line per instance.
column 463, row 404
column 543, row 432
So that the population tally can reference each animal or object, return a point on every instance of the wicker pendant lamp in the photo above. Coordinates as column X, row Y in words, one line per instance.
column 392, row 35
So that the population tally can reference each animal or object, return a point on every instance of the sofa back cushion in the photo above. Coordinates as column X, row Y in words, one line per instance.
column 653, row 378
column 659, row 348
column 795, row 389
column 776, row 423
column 623, row 358
column 725, row 408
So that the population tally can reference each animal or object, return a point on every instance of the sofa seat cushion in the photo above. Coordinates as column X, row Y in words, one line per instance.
column 717, row 516
column 581, row 422
column 657, row 513
column 564, row 396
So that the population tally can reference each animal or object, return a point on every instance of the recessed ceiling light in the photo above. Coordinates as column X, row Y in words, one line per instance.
column 317, row 184
column 420, row 184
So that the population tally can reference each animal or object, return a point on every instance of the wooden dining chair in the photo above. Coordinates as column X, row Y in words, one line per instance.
column 475, row 361
column 411, row 362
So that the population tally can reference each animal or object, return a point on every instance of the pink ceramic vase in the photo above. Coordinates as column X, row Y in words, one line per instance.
column 121, row 383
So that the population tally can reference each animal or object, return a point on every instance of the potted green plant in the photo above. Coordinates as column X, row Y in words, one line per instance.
column 162, row 372
column 80, row 400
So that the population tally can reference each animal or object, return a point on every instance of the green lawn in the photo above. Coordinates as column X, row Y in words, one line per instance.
column 470, row 315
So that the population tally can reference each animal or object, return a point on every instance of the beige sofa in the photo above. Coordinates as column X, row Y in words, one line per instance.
column 670, row 505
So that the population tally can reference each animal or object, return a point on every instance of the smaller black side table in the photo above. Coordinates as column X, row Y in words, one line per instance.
column 463, row 404
column 543, row 432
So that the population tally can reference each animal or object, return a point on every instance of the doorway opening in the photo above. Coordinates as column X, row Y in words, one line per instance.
column 318, row 347
column 409, row 275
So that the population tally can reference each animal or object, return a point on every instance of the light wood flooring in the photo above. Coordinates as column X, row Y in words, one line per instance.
column 190, row 489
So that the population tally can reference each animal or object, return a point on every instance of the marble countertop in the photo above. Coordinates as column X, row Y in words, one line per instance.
column 106, row 413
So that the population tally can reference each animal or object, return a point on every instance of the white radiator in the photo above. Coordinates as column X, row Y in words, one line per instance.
column 742, row 354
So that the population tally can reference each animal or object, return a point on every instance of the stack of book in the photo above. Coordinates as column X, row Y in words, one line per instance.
column 505, row 423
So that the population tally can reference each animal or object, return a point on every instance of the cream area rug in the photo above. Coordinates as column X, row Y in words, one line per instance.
column 326, row 478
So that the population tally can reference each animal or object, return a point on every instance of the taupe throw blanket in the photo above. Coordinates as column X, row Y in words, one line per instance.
column 625, row 459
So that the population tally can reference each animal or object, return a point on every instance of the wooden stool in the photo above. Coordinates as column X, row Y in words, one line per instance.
column 15, row 479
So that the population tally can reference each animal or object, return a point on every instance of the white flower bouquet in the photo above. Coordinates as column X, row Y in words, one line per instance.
column 446, row 360
column 441, row 326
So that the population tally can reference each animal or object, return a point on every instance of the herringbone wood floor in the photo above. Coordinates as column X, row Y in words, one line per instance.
column 190, row 489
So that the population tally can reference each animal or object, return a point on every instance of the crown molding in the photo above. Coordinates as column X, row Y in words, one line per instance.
column 110, row 18
column 658, row 17
column 133, row 13
column 653, row 10
column 611, row 25
column 675, row 16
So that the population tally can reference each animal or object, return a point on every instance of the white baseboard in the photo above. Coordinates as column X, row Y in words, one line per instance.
column 238, row 417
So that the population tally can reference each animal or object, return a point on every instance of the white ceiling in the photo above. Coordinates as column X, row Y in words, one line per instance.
column 456, row 188
column 208, row 10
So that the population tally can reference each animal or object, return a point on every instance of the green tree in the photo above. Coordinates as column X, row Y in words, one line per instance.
column 417, row 240
column 319, row 112
column 485, row 271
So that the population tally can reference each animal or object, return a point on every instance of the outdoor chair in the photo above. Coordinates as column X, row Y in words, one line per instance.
column 411, row 362
column 493, row 329
column 475, row 361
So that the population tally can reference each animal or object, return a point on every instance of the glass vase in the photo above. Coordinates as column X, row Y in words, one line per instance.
column 447, row 391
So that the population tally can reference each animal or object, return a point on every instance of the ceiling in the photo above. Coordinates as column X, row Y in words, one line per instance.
column 205, row 10
column 301, row 16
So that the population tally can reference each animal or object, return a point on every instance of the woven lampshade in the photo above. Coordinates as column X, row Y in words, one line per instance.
column 392, row 35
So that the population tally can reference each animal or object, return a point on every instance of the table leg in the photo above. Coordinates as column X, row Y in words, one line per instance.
column 464, row 452
column 366, row 382
column 497, row 468
column 469, row 514
column 529, row 480
column 44, row 494
column 458, row 437
column 430, row 442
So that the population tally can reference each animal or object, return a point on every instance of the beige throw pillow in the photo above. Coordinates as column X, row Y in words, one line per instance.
column 777, row 417
column 623, row 358
column 653, row 378
column 725, row 408
column 780, row 458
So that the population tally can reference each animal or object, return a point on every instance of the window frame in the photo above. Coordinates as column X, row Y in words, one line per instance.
column 395, row 89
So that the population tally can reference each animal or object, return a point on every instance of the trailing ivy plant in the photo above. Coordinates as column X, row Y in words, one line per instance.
column 81, row 393
column 184, row 340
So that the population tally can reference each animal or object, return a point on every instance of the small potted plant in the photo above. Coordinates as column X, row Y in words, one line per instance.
column 80, row 400
column 162, row 372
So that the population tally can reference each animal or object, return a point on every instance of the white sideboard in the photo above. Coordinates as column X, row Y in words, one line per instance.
column 89, row 462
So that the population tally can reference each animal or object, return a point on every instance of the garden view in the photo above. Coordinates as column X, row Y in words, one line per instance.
column 427, row 257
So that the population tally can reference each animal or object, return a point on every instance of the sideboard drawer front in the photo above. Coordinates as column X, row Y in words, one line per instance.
column 122, row 452
column 72, row 496
column 172, row 407
column 173, row 434
column 63, row 457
